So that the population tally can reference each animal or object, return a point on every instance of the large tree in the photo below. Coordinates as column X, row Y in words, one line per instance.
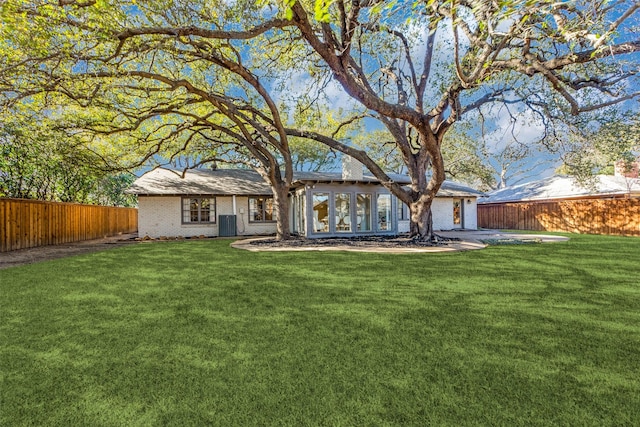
column 196, row 98
column 418, row 67
column 500, row 52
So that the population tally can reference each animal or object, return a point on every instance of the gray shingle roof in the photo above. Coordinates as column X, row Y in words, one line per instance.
column 563, row 187
column 164, row 182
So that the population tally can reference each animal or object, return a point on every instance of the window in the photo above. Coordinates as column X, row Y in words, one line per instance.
column 261, row 209
column 198, row 210
column 320, row 212
column 457, row 212
column 384, row 212
column 403, row 211
column 299, row 210
column 363, row 207
column 343, row 212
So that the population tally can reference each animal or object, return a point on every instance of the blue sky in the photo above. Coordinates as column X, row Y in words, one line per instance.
column 499, row 131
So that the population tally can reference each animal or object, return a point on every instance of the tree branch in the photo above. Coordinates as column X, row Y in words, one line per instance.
column 203, row 32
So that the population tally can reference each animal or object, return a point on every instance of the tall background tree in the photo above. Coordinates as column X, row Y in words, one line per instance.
column 46, row 156
column 596, row 146
column 418, row 67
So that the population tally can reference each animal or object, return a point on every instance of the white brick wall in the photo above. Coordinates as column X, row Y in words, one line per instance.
column 246, row 228
column 443, row 214
column 224, row 206
column 161, row 216
column 442, row 210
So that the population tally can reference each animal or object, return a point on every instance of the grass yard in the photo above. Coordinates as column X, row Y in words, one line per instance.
column 196, row 333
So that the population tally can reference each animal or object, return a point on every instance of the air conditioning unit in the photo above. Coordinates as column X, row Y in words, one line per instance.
column 227, row 225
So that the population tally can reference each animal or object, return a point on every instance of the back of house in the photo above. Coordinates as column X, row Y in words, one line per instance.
column 238, row 202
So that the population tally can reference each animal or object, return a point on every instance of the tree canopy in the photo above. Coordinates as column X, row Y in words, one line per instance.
column 175, row 74
column 49, row 157
column 596, row 148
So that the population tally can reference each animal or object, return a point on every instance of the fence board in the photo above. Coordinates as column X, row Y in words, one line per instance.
column 31, row 223
column 595, row 216
column 3, row 220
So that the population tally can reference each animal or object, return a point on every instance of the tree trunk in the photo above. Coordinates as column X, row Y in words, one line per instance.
column 281, row 206
column 424, row 189
column 503, row 179
column 422, row 218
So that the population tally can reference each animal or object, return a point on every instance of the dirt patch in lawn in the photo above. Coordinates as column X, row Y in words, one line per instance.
column 447, row 241
column 44, row 253
column 395, row 244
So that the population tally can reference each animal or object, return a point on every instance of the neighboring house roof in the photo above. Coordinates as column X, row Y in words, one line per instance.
column 564, row 187
column 165, row 182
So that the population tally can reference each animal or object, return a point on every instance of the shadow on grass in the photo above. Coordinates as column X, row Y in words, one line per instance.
column 197, row 333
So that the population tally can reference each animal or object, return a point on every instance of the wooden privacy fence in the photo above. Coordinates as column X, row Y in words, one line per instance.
column 592, row 216
column 31, row 223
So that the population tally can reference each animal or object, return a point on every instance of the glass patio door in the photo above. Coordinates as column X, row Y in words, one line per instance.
column 384, row 212
column 343, row 212
column 458, row 206
column 363, row 212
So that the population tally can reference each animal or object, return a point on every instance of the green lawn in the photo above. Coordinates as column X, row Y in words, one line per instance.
column 197, row 333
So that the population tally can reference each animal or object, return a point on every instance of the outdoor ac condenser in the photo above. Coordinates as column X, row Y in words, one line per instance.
column 226, row 225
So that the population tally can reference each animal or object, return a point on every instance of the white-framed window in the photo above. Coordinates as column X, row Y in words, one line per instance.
column 363, row 212
column 261, row 209
column 384, row 212
column 320, row 212
column 343, row 212
column 197, row 210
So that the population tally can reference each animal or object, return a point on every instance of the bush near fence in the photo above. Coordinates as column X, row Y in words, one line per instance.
column 31, row 223
column 590, row 216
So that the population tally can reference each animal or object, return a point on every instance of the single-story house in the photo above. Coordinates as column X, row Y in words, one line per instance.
column 236, row 202
column 562, row 187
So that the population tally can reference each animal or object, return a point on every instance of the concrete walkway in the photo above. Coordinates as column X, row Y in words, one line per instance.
column 501, row 235
column 469, row 240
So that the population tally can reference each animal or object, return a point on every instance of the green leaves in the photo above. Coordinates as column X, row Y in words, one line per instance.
column 321, row 10
column 44, row 156
column 288, row 11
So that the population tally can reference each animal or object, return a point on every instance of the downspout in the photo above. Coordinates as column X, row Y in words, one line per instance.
column 233, row 210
